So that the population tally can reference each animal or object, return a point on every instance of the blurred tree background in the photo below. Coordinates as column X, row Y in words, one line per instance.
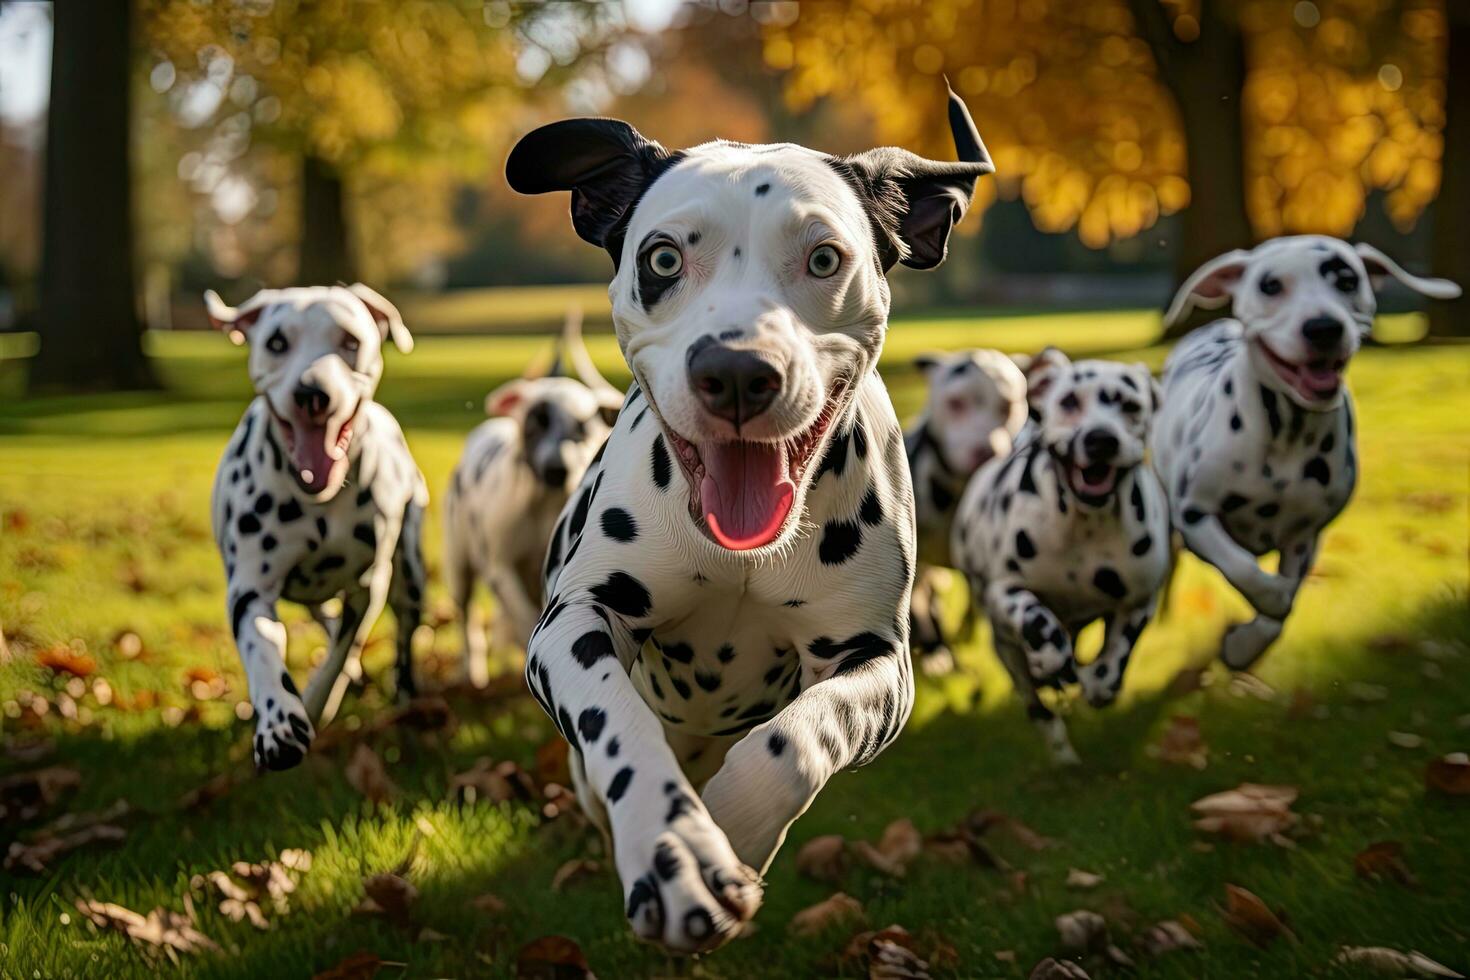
column 279, row 141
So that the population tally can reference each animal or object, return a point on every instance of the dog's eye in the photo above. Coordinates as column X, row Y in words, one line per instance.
column 1270, row 285
column 350, row 343
column 1131, row 407
column 957, row 405
column 1069, row 402
column 664, row 260
column 824, row 260
column 1346, row 282
column 276, row 343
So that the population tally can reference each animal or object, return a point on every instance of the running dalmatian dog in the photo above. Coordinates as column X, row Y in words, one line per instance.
column 517, row 473
column 728, row 617
column 317, row 497
column 1071, row 527
column 1255, row 439
column 975, row 407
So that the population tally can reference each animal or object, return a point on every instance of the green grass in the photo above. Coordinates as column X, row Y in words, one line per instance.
column 103, row 529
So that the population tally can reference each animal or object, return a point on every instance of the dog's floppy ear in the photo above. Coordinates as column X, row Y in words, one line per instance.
column 1150, row 384
column 385, row 314
column 1379, row 266
column 1210, row 286
column 234, row 321
column 1042, row 374
column 915, row 203
column 605, row 163
column 926, row 363
column 503, row 400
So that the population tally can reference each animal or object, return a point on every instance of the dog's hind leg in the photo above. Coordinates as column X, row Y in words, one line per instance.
column 1206, row 536
column 406, row 596
column 925, row 628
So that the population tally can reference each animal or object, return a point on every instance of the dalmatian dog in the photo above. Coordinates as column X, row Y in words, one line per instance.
column 516, row 474
column 317, row 498
column 1071, row 527
column 975, row 407
column 727, row 622
column 1255, row 439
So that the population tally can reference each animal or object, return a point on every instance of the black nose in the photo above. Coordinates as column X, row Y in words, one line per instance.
column 554, row 475
column 736, row 385
column 1101, row 445
column 312, row 400
column 1323, row 333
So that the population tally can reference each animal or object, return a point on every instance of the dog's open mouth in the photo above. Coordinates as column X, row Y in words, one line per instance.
column 1316, row 380
column 744, row 491
column 1093, row 482
column 317, row 450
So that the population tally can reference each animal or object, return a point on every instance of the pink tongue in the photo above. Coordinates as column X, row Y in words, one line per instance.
column 1321, row 377
column 309, row 456
column 746, row 493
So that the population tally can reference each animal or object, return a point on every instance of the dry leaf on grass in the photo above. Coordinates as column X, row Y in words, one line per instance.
column 552, row 763
column 901, row 842
column 389, row 895
column 552, row 958
column 160, row 929
column 26, row 795
column 572, row 870
column 1449, row 775
column 1168, row 936
column 216, row 788
column 1054, row 969
column 983, row 821
column 890, row 958
column 1393, row 962
column 896, row 954
column 1181, row 744
column 1251, row 812
column 839, row 908
column 960, row 846
column 426, row 713
column 1384, row 859
column 1082, row 880
column 359, row 966
column 869, row 855
column 823, row 858
column 64, row 660
column 37, row 855
column 493, row 782
column 247, row 890
column 1252, row 918
column 366, row 773
column 1085, row 933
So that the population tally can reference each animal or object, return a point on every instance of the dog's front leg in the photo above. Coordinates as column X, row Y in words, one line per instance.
column 855, row 708
column 683, row 886
column 1244, row 643
column 1103, row 678
column 1205, row 536
column 282, row 726
column 1047, row 643
column 360, row 610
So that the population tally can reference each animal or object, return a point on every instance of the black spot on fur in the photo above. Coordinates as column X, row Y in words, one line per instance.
column 1193, row 515
column 619, row 784
column 1268, row 509
column 289, row 684
column 590, row 724
column 707, row 681
column 1273, row 410
column 834, row 460
column 1235, row 422
column 871, row 511
column 662, row 466
column 330, row 563
column 264, row 503
column 249, row 524
column 762, row 189
column 681, row 686
column 1107, row 581
column 776, row 744
column 366, row 534
column 268, row 543
column 592, row 646
column 840, row 541
column 619, row 525
column 622, row 593
column 1141, row 546
column 1233, row 502
column 237, row 612
column 682, row 652
column 1317, row 469
column 1024, row 547
column 289, row 511
column 579, row 513
column 725, row 654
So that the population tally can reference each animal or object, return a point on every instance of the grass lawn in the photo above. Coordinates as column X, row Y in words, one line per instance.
column 104, row 531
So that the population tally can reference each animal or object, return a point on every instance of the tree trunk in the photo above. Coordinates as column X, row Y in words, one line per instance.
column 326, row 251
column 88, row 313
column 1451, row 257
column 1207, row 78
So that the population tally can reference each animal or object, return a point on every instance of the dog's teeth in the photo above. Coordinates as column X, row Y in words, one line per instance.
column 306, row 476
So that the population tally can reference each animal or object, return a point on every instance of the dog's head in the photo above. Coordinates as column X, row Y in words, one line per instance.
column 1306, row 302
column 976, row 405
column 316, row 356
column 1093, row 417
column 750, row 295
column 563, row 424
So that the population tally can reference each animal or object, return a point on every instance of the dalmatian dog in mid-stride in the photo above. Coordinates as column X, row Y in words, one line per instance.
column 1071, row 527
column 729, row 611
column 975, row 407
column 1255, row 440
column 516, row 474
column 317, row 498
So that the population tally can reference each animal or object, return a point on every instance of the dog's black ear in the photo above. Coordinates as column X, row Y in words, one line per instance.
column 914, row 203
column 605, row 163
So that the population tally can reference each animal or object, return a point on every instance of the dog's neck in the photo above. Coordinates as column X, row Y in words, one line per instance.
column 1256, row 395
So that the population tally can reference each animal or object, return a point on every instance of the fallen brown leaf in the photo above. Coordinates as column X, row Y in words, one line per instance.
column 1053, row 969
column 216, row 788
column 493, row 782
column 1082, row 931
column 1393, row 962
column 901, row 842
column 64, row 660
column 160, row 929
column 837, row 909
column 36, row 856
column 981, row 822
column 1252, row 918
column 870, row 855
column 572, row 870
column 24, row 796
column 552, row 763
column 359, row 966
column 823, row 858
column 1449, row 775
column 1181, row 744
column 1250, row 813
column 552, row 958
column 890, row 957
column 366, row 773
column 1082, row 880
column 427, row 713
column 389, row 895
column 1384, row 860
column 247, row 890
column 1168, row 936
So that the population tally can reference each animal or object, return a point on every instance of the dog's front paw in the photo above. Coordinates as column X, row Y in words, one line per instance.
column 687, row 891
column 937, row 662
column 1048, row 647
column 283, row 733
column 1100, row 683
column 1244, row 643
column 1273, row 596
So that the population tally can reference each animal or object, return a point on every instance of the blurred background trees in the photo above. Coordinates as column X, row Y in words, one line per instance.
column 277, row 141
